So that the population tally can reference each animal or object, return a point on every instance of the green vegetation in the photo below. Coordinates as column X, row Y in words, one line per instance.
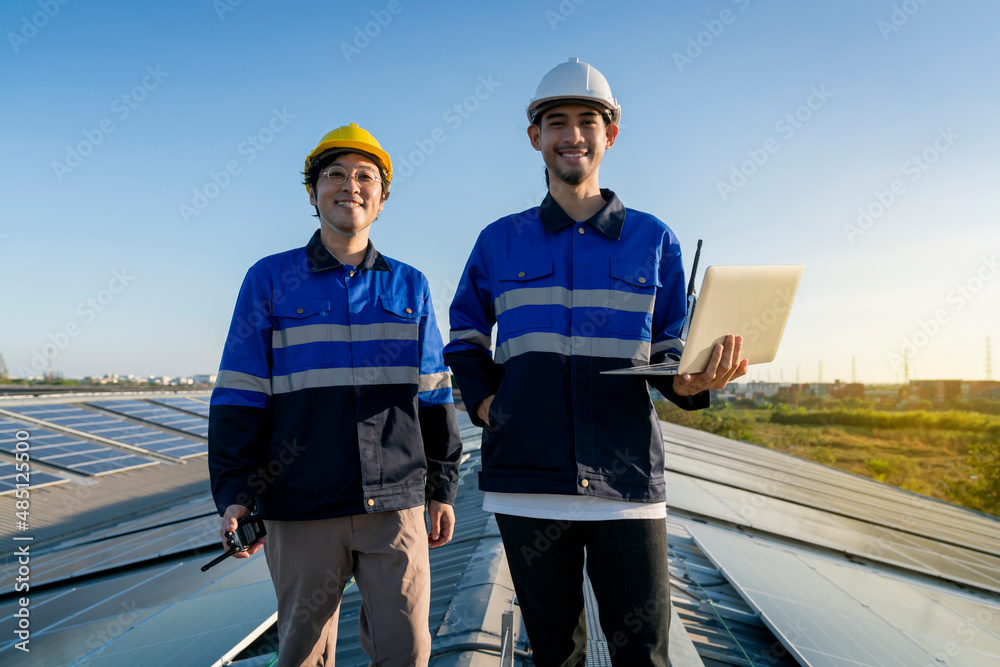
column 951, row 420
column 952, row 455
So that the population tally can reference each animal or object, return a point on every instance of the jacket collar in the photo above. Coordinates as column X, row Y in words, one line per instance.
column 320, row 259
column 609, row 220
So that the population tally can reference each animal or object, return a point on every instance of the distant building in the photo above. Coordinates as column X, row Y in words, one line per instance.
column 979, row 389
column 204, row 379
column 847, row 390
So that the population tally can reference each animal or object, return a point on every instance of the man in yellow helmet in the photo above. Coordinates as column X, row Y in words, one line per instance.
column 333, row 414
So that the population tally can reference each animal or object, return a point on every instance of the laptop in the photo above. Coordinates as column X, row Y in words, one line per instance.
column 749, row 301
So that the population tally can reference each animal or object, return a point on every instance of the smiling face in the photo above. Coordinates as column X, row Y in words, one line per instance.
column 350, row 208
column 572, row 139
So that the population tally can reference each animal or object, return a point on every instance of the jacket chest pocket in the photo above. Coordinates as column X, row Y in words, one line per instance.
column 633, row 293
column 297, row 324
column 398, row 335
column 526, row 295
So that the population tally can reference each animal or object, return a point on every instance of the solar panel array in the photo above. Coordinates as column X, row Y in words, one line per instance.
column 184, row 403
column 113, row 428
column 897, row 528
column 68, row 452
column 157, row 414
column 10, row 478
column 830, row 613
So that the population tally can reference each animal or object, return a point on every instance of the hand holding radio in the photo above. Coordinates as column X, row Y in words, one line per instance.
column 243, row 534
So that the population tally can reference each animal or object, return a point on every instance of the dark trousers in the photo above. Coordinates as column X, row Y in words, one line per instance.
column 626, row 561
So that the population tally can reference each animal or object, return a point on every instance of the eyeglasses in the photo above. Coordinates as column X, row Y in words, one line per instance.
column 365, row 178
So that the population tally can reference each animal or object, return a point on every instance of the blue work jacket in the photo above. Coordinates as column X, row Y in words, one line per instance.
column 569, row 300
column 332, row 398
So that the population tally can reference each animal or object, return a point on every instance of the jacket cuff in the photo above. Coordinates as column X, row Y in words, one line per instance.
column 233, row 493
column 443, row 451
column 665, row 385
column 445, row 493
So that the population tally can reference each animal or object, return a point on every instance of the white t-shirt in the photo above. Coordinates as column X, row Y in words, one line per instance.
column 569, row 508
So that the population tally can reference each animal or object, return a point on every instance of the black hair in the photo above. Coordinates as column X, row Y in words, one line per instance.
column 537, row 119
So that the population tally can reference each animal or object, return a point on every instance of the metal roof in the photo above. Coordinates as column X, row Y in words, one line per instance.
column 761, row 545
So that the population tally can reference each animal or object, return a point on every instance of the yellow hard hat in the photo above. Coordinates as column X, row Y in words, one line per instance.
column 355, row 138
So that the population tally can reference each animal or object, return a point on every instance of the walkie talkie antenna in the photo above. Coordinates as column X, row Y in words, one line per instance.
column 694, row 269
column 221, row 558
column 692, row 298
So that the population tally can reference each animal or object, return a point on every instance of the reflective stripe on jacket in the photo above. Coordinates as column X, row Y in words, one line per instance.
column 332, row 398
column 570, row 300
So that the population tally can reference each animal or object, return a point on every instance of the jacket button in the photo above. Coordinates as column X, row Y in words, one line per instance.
column 642, row 281
column 520, row 274
column 351, row 274
column 300, row 311
column 409, row 310
column 581, row 230
column 584, row 483
column 371, row 502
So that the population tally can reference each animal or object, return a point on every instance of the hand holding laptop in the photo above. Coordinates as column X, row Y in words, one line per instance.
column 724, row 366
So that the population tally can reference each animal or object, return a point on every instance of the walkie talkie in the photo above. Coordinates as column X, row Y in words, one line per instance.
column 248, row 530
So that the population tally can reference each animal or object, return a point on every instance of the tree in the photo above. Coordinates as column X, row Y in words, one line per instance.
column 3, row 370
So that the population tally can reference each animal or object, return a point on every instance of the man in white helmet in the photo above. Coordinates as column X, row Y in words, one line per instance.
column 333, row 413
column 573, row 459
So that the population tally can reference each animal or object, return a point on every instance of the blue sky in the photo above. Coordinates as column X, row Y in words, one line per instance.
column 761, row 128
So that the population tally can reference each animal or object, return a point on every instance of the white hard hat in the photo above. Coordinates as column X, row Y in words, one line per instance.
column 574, row 81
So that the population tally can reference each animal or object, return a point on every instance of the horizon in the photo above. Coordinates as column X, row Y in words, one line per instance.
column 158, row 155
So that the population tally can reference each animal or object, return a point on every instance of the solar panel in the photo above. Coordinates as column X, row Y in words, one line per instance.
column 830, row 612
column 157, row 414
column 10, row 478
column 192, row 405
column 169, row 614
column 803, row 482
column 67, row 452
column 843, row 534
column 108, row 426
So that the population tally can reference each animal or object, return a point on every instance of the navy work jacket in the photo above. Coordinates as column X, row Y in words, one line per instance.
column 332, row 398
column 569, row 300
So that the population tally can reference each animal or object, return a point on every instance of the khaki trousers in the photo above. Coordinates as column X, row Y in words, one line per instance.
column 312, row 561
